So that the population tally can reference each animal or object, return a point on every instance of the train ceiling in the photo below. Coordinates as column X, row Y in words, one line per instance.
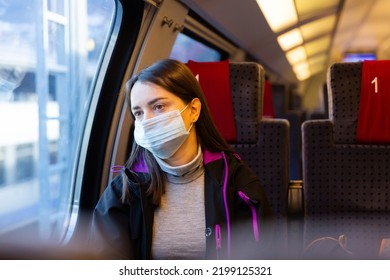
column 316, row 34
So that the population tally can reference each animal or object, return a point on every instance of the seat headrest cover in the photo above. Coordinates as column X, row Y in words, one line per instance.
column 268, row 108
column 247, row 88
column 213, row 77
column 373, row 125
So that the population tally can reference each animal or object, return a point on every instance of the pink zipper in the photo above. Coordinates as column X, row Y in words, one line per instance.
column 254, row 214
column 225, row 181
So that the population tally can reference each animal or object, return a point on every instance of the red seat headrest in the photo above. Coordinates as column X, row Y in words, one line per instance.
column 214, row 79
column 374, row 113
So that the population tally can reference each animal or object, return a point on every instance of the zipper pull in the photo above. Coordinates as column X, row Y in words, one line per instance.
column 244, row 197
column 218, row 237
column 117, row 168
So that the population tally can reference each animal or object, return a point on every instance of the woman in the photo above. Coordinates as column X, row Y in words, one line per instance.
column 184, row 194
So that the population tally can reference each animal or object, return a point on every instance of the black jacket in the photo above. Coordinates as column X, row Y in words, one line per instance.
column 124, row 230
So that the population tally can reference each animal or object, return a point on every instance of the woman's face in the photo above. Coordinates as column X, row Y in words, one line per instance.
column 149, row 100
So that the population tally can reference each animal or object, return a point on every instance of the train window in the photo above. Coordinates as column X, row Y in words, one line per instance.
column 187, row 48
column 49, row 56
column 2, row 166
column 358, row 56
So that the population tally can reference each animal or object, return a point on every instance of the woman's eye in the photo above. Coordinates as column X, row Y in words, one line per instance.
column 158, row 107
column 137, row 114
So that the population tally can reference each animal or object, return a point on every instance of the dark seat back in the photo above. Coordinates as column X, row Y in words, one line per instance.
column 346, row 184
column 261, row 143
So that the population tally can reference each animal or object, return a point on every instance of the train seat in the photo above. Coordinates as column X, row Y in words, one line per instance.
column 261, row 143
column 346, row 181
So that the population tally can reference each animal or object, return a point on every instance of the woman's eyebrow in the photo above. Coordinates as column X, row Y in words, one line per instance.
column 150, row 103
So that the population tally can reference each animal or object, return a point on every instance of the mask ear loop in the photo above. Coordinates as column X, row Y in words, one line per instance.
column 193, row 121
column 184, row 108
column 192, row 124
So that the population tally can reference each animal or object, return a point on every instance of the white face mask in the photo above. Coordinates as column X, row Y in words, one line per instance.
column 162, row 135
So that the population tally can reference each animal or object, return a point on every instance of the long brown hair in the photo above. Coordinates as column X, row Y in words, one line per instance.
column 178, row 79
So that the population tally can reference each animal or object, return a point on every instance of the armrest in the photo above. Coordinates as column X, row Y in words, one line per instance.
column 295, row 198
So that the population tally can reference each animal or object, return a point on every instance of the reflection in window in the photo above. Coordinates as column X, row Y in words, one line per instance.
column 46, row 70
column 56, row 6
column 25, row 162
column 187, row 48
column 53, row 152
column 56, row 32
column 2, row 167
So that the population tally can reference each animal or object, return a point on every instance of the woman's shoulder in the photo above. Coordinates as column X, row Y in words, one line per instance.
column 131, row 180
column 113, row 191
column 113, row 197
column 216, row 163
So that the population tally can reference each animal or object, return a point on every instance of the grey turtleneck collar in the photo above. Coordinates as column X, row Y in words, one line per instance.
column 183, row 173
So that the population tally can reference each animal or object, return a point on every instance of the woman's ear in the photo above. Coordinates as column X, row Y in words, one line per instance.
column 195, row 106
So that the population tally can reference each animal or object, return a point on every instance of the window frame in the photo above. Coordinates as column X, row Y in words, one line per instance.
column 88, row 172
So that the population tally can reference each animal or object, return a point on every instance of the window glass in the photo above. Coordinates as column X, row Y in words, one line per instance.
column 187, row 48
column 25, row 170
column 2, row 166
column 56, row 6
column 49, row 56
